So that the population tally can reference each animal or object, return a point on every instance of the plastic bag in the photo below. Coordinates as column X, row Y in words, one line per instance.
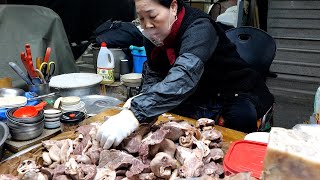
column 317, row 102
column 229, row 17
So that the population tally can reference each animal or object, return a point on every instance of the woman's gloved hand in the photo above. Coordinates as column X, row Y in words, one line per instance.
column 116, row 128
column 127, row 105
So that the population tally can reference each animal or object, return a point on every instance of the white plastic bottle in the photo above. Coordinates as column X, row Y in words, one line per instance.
column 105, row 64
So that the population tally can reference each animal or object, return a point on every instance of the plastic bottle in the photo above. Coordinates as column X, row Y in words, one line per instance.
column 139, row 57
column 105, row 64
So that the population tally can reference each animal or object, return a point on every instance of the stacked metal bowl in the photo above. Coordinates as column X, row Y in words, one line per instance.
column 23, row 129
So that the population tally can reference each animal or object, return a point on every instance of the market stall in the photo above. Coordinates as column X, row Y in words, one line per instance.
column 228, row 137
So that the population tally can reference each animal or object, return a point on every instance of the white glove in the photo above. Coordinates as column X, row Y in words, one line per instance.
column 116, row 128
column 127, row 105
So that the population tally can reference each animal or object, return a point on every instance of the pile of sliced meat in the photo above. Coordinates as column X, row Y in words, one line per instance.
column 171, row 150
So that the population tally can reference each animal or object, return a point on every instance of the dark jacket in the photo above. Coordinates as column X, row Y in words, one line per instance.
column 207, row 63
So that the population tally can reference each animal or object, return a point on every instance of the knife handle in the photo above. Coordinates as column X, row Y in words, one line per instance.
column 21, row 73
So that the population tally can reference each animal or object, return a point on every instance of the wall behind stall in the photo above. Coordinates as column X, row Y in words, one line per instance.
column 81, row 17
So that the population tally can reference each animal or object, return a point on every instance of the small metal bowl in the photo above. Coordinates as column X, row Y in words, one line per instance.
column 10, row 92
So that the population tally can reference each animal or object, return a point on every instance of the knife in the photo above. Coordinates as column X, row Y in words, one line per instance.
column 21, row 73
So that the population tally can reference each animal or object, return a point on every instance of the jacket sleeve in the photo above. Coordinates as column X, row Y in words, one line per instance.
column 198, row 44
column 149, row 77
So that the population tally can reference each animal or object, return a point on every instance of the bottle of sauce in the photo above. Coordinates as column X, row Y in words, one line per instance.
column 105, row 64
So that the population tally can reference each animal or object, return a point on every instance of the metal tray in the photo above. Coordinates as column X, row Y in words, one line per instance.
column 94, row 104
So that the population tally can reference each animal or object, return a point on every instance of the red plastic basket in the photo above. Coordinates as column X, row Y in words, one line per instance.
column 245, row 156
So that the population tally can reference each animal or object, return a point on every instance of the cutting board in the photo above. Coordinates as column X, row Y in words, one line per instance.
column 15, row 146
column 229, row 135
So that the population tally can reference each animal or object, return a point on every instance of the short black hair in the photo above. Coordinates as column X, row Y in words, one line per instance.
column 167, row 3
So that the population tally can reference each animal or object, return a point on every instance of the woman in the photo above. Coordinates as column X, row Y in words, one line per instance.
column 191, row 67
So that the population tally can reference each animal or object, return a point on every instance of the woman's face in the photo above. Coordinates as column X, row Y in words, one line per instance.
column 155, row 17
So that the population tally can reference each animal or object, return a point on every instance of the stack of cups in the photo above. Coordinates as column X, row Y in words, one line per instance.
column 70, row 103
column 52, row 118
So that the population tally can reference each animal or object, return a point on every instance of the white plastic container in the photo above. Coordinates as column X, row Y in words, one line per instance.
column 105, row 64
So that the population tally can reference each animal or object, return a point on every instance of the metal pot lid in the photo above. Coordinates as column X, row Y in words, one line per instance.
column 94, row 104
column 75, row 80
column 9, row 92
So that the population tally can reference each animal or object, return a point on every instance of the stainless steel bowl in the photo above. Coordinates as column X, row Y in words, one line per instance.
column 4, row 132
column 9, row 92
column 18, row 125
column 30, row 120
column 15, row 128
column 26, row 135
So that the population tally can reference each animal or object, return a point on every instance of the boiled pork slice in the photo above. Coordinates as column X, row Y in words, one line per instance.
column 163, row 164
column 152, row 139
column 105, row 174
column 192, row 164
column 132, row 143
column 114, row 159
column 166, row 146
column 215, row 154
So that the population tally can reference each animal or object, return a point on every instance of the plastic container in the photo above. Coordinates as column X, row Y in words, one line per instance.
column 70, row 121
column 139, row 57
column 118, row 54
column 245, row 156
column 105, row 64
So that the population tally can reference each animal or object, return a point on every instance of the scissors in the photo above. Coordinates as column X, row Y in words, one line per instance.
column 51, row 69
column 41, row 76
column 48, row 70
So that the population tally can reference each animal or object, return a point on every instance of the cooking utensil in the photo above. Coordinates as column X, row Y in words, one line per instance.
column 25, row 126
column 52, row 112
column 4, row 133
column 40, row 89
column 10, row 102
column 50, row 70
column 52, row 124
column 131, row 79
column 36, row 80
column 76, row 84
column 38, row 62
column 41, row 76
column 47, row 55
column 42, row 96
column 29, row 111
column 71, row 120
column 94, row 104
column 25, row 121
column 28, row 62
column 26, row 135
column 43, row 68
column 20, row 72
column 11, row 92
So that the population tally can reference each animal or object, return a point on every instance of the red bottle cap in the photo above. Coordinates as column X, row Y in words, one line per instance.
column 103, row 44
